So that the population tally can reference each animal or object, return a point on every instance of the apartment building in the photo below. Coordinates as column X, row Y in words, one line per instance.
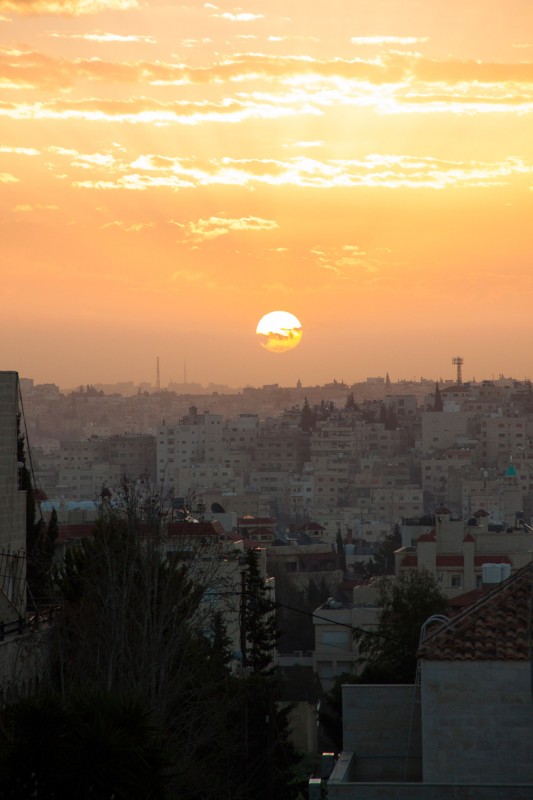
column 502, row 436
column 197, row 438
column 443, row 430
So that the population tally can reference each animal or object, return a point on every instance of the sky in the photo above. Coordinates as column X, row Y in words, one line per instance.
column 171, row 172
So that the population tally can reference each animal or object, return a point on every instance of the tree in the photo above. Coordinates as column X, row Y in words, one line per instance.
column 88, row 745
column 388, row 653
column 134, row 622
column 40, row 536
column 350, row 404
column 340, row 550
column 405, row 604
column 307, row 417
column 260, row 620
column 268, row 755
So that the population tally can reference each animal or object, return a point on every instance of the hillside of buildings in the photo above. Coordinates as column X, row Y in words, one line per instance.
column 339, row 483
column 355, row 458
column 335, row 486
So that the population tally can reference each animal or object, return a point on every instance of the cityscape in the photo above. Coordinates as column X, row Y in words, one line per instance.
column 266, row 400
column 340, row 491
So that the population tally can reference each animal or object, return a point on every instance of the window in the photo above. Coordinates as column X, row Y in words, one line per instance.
column 339, row 639
column 456, row 581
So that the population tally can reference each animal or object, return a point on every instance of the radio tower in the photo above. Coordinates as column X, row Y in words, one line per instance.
column 458, row 362
column 157, row 378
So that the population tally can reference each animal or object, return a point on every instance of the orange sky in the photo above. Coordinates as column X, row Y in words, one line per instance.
column 170, row 172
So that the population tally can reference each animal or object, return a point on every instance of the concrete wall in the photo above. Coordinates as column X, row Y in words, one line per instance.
column 381, row 726
column 477, row 722
column 23, row 665
column 12, row 502
column 12, row 505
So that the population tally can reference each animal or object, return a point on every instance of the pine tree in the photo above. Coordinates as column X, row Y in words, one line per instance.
column 307, row 417
column 260, row 619
column 269, row 756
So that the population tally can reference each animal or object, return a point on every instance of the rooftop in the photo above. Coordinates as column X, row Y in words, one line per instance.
column 495, row 628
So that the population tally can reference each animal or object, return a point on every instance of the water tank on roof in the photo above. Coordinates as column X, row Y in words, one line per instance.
column 495, row 573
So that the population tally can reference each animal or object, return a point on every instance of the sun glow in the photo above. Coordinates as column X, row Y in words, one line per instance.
column 279, row 331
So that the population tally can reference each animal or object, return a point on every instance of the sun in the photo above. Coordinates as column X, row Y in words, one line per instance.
column 279, row 331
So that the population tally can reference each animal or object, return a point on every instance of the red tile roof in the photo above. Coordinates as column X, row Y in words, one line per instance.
column 456, row 561
column 495, row 628
column 480, row 560
column 428, row 537
column 213, row 528
column 83, row 530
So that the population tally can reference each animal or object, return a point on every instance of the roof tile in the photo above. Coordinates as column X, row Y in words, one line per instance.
column 495, row 628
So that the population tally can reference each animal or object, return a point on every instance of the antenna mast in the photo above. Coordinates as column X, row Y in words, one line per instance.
column 157, row 378
column 458, row 361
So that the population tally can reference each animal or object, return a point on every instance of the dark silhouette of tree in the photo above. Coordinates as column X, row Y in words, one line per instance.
column 260, row 619
column 437, row 402
column 268, row 755
column 350, row 404
column 389, row 652
column 307, row 417
column 340, row 551
column 405, row 604
column 91, row 745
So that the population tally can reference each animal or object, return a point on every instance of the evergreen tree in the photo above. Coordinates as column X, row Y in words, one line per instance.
column 307, row 417
column 268, row 754
column 340, row 551
column 350, row 404
column 405, row 604
column 438, row 405
column 260, row 620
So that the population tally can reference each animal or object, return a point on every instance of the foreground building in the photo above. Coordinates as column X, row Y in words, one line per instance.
column 12, row 506
column 464, row 733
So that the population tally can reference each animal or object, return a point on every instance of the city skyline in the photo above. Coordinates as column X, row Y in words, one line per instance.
column 172, row 173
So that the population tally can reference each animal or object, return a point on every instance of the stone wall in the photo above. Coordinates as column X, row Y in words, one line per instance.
column 477, row 722
column 381, row 726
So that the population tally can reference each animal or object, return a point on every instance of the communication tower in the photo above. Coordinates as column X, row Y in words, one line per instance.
column 157, row 377
column 458, row 361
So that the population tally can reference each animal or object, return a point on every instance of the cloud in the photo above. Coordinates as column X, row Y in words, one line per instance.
column 103, row 37
column 372, row 40
column 214, row 227
column 336, row 78
column 24, row 151
column 133, row 227
column 68, row 8
column 349, row 262
column 193, row 277
column 376, row 170
column 317, row 143
column 6, row 177
column 238, row 15
column 24, row 207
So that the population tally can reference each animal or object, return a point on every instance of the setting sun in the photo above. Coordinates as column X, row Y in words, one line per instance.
column 279, row 331
column 167, row 167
